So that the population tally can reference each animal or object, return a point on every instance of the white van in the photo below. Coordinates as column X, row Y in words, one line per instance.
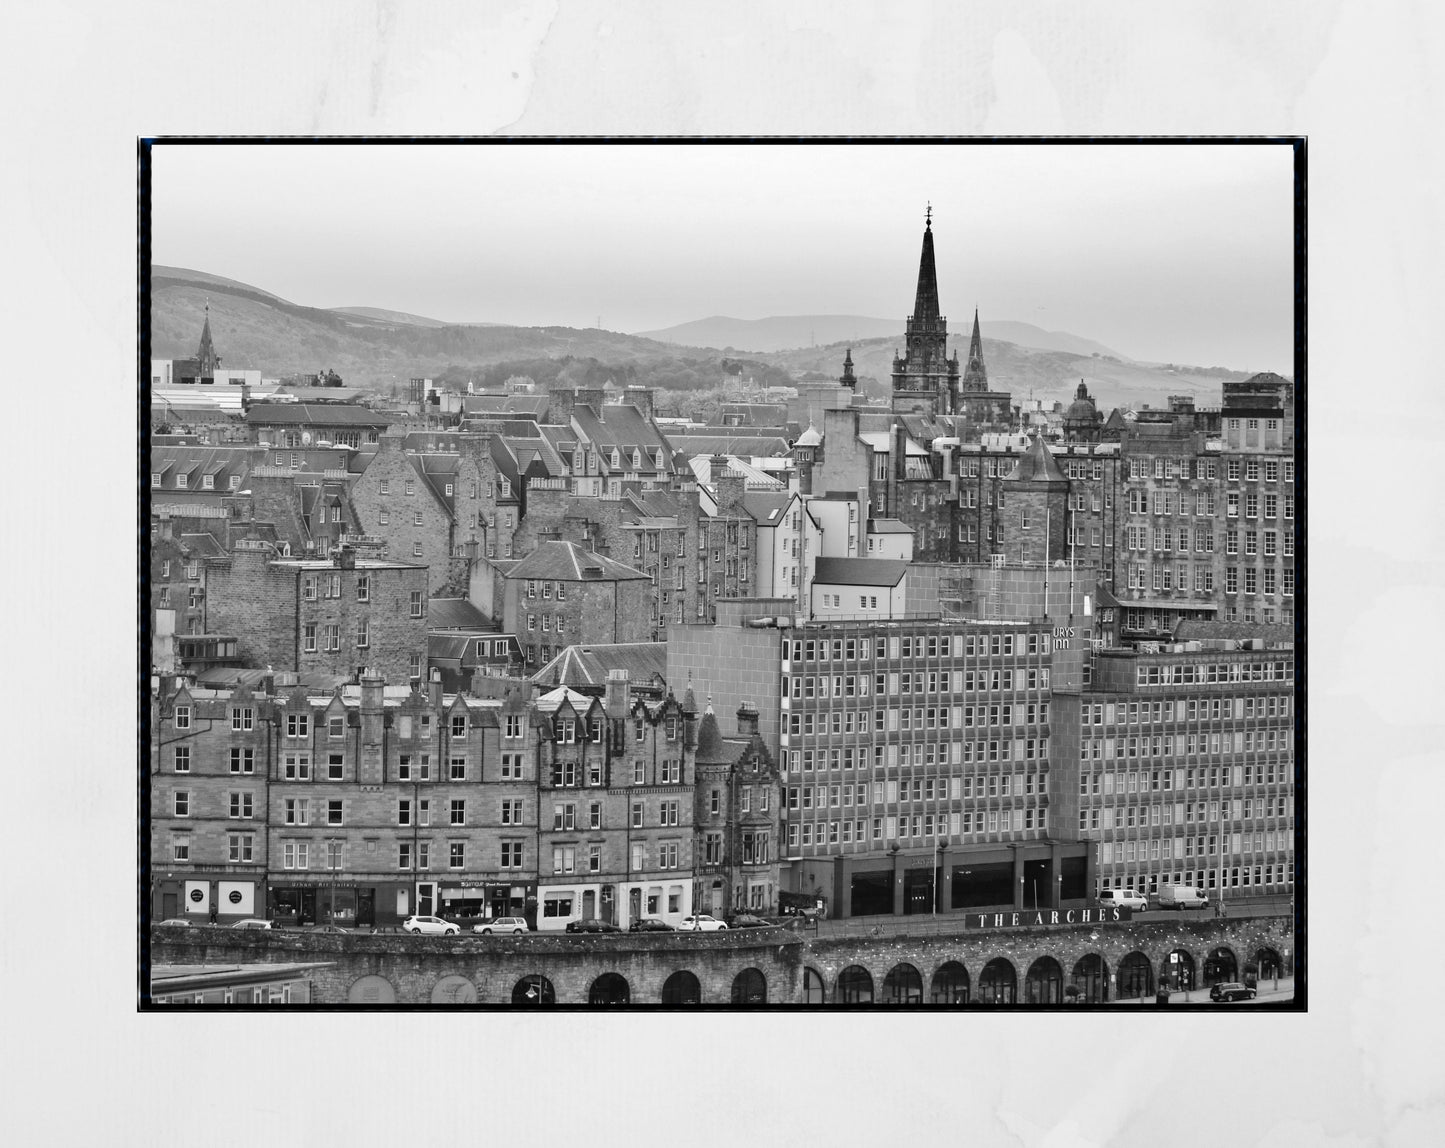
column 1181, row 897
column 1124, row 899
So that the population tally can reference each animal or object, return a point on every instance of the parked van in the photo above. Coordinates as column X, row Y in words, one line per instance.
column 1124, row 899
column 1181, row 897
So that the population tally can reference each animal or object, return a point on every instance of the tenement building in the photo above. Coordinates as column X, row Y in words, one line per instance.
column 315, row 614
column 362, row 805
column 1186, row 768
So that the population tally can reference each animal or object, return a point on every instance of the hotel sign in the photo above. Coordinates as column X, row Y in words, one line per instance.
column 1047, row 918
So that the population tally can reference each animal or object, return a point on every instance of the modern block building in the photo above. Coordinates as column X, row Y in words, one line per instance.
column 1186, row 766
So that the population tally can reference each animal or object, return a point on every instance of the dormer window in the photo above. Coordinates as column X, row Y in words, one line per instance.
column 180, row 482
column 235, row 482
column 155, row 478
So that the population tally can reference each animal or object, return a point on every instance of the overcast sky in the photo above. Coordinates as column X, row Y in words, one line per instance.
column 1164, row 252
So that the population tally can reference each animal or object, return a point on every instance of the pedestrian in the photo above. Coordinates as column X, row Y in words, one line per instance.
column 213, row 914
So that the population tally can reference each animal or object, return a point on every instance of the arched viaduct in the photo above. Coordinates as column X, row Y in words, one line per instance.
column 756, row 966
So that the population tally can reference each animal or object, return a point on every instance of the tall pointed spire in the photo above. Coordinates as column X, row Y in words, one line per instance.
column 975, row 376
column 925, row 303
column 206, row 358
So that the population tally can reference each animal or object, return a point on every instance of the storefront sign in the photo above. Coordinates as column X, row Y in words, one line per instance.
column 1047, row 918
column 198, row 895
column 234, row 897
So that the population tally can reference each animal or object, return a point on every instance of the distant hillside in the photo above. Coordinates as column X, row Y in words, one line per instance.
column 1027, row 372
column 376, row 349
column 389, row 316
column 254, row 328
column 791, row 332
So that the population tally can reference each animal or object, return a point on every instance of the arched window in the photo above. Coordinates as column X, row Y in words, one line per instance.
column 902, row 986
column 681, row 988
column 1091, row 979
column 1267, row 964
column 534, row 990
column 998, row 983
column 949, row 985
column 609, row 989
column 1136, row 977
column 454, row 990
column 750, row 987
column 814, row 990
column 371, row 990
column 855, row 986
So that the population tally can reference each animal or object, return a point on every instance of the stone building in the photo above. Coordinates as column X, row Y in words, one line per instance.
column 307, row 614
column 925, row 379
column 560, row 595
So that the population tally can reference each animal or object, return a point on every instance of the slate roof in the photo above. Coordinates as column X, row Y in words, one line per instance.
column 1036, row 464
column 587, row 666
column 456, row 614
column 551, row 701
column 624, row 427
column 766, row 506
column 712, row 747
column 749, row 446
column 888, row 526
column 859, row 571
column 1197, row 629
column 314, row 414
column 565, row 561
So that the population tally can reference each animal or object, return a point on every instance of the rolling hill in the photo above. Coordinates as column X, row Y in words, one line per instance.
column 373, row 348
column 792, row 332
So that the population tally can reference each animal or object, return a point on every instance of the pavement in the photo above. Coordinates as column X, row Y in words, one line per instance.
column 1267, row 994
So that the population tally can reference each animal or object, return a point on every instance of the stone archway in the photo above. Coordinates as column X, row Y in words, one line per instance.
column 534, row 990
column 902, row 986
column 1267, row 965
column 1091, row 978
column 750, row 987
column 998, row 983
column 1135, row 977
column 1177, row 970
column 815, row 989
column 949, row 984
column 609, row 989
column 1044, row 983
column 1220, row 965
column 855, row 986
column 682, row 988
column 371, row 990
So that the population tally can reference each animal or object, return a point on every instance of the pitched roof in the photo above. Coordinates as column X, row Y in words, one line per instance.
column 712, row 748
column 749, row 446
column 566, row 561
column 317, row 414
column 456, row 614
column 551, row 701
column 859, row 571
column 767, row 507
column 587, row 666
column 888, row 526
column 1036, row 464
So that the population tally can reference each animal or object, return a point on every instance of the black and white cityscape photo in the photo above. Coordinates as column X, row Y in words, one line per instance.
column 742, row 574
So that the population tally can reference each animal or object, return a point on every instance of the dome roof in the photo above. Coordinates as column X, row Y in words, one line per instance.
column 809, row 437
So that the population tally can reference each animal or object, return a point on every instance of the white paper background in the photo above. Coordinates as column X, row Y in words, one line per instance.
column 82, row 80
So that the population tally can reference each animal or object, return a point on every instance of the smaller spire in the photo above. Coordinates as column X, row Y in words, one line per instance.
column 928, row 216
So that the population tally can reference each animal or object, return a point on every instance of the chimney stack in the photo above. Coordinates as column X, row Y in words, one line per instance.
column 434, row 689
column 747, row 720
column 618, row 688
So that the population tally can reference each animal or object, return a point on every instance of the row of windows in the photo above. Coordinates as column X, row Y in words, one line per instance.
column 1188, row 745
column 917, row 825
column 1183, row 709
column 1201, row 777
column 923, row 755
column 922, row 718
column 1278, row 876
column 208, row 481
column 918, row 789
column 1180, row 848
column 896, row 683
column 920, row 646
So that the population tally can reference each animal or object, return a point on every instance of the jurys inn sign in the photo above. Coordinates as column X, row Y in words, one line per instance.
column 1047, row 918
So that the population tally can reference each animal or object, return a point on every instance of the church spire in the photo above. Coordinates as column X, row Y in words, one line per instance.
column 925, row 303
column 975, row 376
column 206, row 358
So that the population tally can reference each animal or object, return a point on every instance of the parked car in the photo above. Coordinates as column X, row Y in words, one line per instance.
column 1124, row 899
column 702, row 923
column 180, row 921
column 253, row 923
column 514, row 925
column 650, row 925
column 1230, row 991
column 430, row 926
column 592, row 925
column 746, row 921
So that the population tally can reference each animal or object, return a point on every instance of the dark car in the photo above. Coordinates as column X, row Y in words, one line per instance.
column 651, row 925
column 1230, row 991
column 747, row 921
column 592, row 925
